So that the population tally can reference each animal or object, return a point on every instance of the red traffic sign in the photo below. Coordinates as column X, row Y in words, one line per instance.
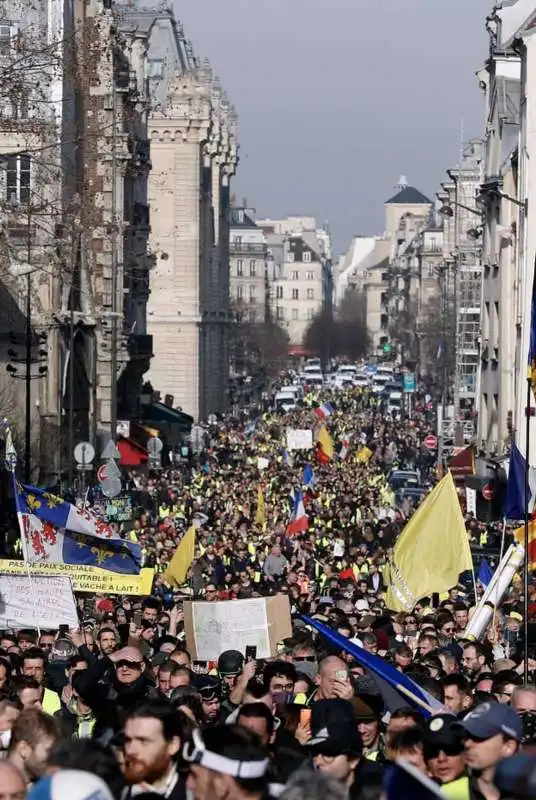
column 430, row 441
column 101, row 473
column 488, row 492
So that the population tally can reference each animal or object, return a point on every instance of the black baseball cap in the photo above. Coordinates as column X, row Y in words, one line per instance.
column 443, row 732
column 334, row 729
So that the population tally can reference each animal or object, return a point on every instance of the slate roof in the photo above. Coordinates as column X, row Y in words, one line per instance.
column 409, row 196
column 240, row 220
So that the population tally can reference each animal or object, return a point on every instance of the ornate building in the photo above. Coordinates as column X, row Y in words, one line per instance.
column 194, row 155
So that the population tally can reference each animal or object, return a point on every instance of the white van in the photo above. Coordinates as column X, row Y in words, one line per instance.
column 285, row 401
column 394, row 404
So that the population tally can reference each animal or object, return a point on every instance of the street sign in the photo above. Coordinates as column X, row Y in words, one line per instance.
column 409, row 382
column 488, row 492
column 111, row 487
column 110, row 451
column 154, row 446
column 430, row 441
column 108, row 470
column 387, row 348
column 84, row 453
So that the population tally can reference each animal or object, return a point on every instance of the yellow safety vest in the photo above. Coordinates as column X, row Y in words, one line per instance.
column 51, row 702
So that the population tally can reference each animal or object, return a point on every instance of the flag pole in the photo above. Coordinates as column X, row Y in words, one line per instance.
column 528, row 411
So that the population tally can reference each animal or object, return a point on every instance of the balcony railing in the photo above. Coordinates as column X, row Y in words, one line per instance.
column 246, row 248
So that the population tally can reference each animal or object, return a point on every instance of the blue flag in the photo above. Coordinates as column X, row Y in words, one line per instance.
column 515, row 489
column 54, row 531
column 308, row 476
column 416, row 696
column 485, row 573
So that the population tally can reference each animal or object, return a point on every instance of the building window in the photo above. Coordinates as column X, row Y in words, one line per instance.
column 155, row 68
column 252, row 268
column 239, row 292
column 310, row 313
column 290, row 257
column 295, row 314
column 278, row 292
column 240, row 267
column 294, row 275
column 237, row 241
column 253, row 316
column 310, row 275
column 5, row 39
column 307, row 257
column 280, row 312
column 295, row 294
column 431, row 270
column 310, row 294
column 252, row 291
column 18, row 178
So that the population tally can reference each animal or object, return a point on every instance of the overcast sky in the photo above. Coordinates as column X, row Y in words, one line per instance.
column 337, row 98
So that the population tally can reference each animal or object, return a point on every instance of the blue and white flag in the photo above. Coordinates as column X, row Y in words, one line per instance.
column 415, row 694
column 54, row 531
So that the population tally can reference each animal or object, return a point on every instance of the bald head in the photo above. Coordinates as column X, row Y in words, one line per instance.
column 12, row 786
column 332, row 675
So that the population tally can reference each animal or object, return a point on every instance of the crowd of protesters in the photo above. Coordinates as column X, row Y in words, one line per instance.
column 118, row 708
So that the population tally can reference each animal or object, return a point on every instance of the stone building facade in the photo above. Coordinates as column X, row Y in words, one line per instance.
column 194, row 155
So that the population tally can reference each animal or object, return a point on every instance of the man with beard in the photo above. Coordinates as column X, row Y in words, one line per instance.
column 152, row 741
column 107, row 641
column 113, row 687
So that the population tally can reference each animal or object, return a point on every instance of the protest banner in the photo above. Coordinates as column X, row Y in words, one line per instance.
column 212, row 628
column 298, row 439
column 86, row 579
column 38, row 601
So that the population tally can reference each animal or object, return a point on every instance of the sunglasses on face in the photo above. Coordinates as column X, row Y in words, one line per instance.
column 304, row 658
column 128, row 664
column 454, row 749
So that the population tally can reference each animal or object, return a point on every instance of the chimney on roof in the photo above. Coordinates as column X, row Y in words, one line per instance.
column 402, row 183
column 244, row 202
column 232, row 200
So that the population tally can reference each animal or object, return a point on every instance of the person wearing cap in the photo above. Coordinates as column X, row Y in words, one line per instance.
column 209, row 689
column 493, row 731
column 112, row 686
column 227, row 761
column 336, row 747
column 368, row 711
column 444, row 753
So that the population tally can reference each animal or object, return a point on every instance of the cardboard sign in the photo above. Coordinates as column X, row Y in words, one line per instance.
column 212, row 628
column 299, row 439
column 39, row 601
column 86, row 579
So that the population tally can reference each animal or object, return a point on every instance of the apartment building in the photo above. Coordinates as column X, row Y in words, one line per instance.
column 75, row 212
column 249, row 278
column 302, row 284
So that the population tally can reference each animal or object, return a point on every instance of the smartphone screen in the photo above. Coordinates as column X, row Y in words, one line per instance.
column 251, row 652
column 341, row 675
column 305, row 716
column 137, row 619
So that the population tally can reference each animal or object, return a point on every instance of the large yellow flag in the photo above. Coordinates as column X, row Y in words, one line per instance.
column 182, row 559
column 431, row 551
column 260, row 516
column 325, row 441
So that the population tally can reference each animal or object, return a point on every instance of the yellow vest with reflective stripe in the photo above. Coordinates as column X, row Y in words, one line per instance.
column 51, row 702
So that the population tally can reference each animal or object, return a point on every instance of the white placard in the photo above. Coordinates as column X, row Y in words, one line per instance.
column 262, row 463
column 470, row 500
column 220, row 626
column 39, row 601
column 299, row 439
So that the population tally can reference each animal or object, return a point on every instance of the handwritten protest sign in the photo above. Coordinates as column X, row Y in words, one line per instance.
column 41, row 601
column 299, row 439
column 86, row 579
column 212, row 628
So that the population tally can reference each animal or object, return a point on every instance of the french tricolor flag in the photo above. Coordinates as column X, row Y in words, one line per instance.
column 324, row 411
column 298, row 519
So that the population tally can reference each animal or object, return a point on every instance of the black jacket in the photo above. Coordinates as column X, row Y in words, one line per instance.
column 368, row 775
column 110, row 701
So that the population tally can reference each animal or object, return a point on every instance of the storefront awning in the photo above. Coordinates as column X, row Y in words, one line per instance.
column 160, row 413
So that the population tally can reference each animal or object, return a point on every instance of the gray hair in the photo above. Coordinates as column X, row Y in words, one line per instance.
column 308, row 784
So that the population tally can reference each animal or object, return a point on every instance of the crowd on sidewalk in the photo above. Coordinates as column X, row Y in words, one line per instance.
column 118, row 708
